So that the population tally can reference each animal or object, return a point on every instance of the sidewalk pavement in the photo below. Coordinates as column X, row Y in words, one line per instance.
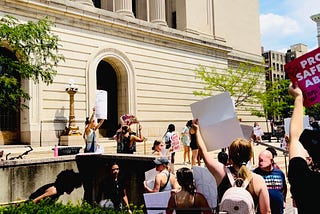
column 145, row 148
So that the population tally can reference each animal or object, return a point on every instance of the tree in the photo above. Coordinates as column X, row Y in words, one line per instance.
column 28, row 51
column 275, row 100
column 314, row 111
column 243, row 83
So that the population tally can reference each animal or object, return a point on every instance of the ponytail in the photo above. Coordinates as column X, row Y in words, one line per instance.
column 240, row 153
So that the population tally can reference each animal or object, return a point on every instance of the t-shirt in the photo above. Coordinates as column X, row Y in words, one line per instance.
column 304, row 185
column 276, row 182
column 43, row 189
column 167, row 139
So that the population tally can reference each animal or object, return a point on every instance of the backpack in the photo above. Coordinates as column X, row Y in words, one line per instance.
column 237, row 200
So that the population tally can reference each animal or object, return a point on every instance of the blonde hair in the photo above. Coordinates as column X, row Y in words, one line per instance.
column 240, row 152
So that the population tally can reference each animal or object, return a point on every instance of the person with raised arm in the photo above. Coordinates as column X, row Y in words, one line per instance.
column 89, row 134
column 240, row 153
column 303, row 175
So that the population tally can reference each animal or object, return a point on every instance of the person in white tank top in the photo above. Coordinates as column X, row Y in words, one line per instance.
column 89, row 132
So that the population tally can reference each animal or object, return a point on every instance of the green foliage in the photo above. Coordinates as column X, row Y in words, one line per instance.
column 243, row 83
column 314, row 111
column 31, row 53
column 47, row 207
column 275, row 100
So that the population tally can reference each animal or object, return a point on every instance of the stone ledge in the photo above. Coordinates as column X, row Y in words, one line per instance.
column 19, row 162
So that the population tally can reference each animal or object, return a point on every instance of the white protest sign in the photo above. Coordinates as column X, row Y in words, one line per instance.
column 247, row 131
column 206, row 184
column 175, row 142
column 306, row 124
column 218, row 121
column 101, row 104
column 150, row 176
column 258, row 131
column 157, row 202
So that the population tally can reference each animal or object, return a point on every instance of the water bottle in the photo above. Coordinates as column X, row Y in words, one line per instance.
column 55, row 151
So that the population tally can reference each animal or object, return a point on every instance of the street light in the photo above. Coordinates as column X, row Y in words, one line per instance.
column 72, row 129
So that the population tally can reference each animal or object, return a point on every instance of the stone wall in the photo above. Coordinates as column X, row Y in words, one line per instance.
column 20, row 178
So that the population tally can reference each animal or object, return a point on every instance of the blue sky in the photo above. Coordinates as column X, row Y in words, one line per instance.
column 287, row 22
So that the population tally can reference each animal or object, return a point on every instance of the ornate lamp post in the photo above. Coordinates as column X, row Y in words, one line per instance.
column 72, row 129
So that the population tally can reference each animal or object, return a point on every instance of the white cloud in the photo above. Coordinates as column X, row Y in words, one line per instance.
column 287, row 22
column 282, row 26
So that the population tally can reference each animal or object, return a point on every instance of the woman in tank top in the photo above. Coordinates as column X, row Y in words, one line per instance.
column 89, row 134
column 187, row 200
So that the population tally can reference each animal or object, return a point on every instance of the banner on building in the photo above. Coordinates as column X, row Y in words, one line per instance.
column 305, row 70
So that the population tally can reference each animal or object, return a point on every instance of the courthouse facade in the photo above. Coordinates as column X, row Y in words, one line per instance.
column 142, row 52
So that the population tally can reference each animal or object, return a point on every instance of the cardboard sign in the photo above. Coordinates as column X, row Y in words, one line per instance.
column 129, row 119
column 306, row 124
column 247, row 131
column 305, row 70
column 150, row 176
column 156, row 202
column 218, row 121
column 175, row 142
column 101, row 104
column 206, row 184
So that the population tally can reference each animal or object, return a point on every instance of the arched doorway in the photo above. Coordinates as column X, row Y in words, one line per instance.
column 107, row 80
column 9, row 118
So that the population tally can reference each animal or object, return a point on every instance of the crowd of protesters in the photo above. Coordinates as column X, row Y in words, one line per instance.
column 267, row 183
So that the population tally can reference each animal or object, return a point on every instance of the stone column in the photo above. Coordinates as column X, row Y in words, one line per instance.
column 124, row 7
column 158, row 12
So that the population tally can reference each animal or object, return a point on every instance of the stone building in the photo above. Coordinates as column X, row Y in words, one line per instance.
column 142, row 52
column 275, row 62
column 316, row 19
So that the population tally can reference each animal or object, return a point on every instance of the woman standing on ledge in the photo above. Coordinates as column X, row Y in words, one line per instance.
column 129, row 139
column 89, row 134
